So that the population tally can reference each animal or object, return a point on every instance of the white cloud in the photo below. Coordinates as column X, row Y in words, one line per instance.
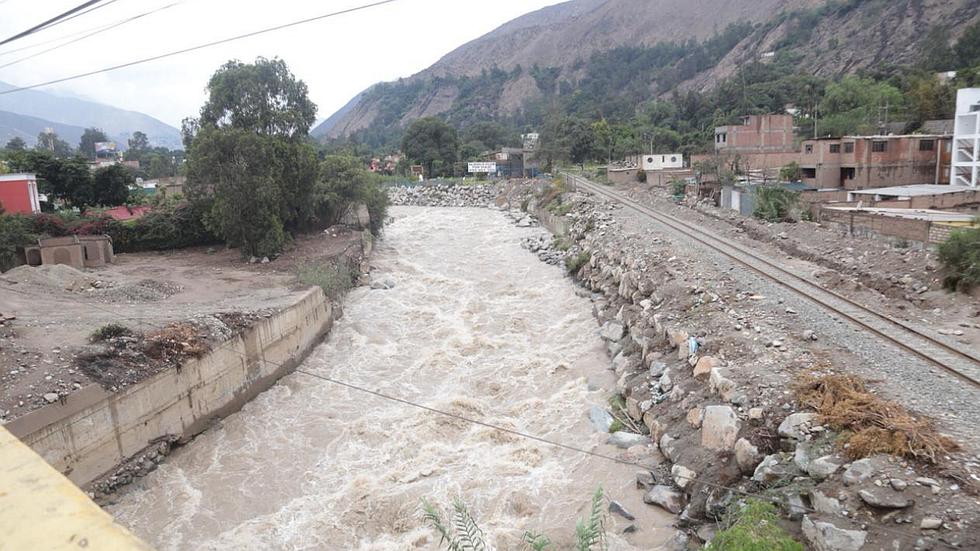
column 337, row 57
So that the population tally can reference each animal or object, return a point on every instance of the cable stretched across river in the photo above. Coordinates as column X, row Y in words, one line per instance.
column 797, row 507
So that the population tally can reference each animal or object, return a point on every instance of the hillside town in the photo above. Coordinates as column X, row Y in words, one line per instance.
column 606, row 275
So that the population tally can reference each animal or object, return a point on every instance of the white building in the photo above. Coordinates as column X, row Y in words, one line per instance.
column 662, row 162
column 965, row 166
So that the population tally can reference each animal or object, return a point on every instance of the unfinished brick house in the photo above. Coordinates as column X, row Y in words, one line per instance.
column 862, row 162
column 760, row 142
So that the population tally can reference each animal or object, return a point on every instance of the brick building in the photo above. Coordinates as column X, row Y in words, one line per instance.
column 756, row 134
column 861, row 162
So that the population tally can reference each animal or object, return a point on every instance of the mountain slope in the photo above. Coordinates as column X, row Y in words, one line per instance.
column 27, row 128
column 622, row 50
column 118, row 124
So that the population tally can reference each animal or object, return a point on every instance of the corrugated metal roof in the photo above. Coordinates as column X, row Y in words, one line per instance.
column 913, row 214
column 915, row 190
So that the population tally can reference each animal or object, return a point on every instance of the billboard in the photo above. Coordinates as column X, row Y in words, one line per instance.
column 488, row 167
column 105, row 148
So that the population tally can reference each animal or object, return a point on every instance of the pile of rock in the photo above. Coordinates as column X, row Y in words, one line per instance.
column 444, row 195
column 138, row 466
column 545, row 248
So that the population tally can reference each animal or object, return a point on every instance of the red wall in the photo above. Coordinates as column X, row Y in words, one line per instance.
column 15, row 197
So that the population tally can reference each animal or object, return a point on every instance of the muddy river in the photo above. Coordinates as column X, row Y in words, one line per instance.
column 474, row 325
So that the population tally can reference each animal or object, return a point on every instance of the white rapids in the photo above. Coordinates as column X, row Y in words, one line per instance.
column 474, row 325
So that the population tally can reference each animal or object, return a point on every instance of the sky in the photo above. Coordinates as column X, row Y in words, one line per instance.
column 337, row 57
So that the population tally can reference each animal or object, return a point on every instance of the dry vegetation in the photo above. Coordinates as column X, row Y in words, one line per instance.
column 869, row 424
column 177, row 340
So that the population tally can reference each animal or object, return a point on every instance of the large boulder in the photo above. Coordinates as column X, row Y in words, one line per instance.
column 682, row 476
column 824, row 536
column 719, row 383
column 747, row 456
column 612, row 331
column 600, row 418
column 719, row 428
column 704, row 366
column 794, row 425
column 625, row 440
column 665, row 497
column 822, row 467
column 859, row 471
column 775, row 468
column 884, row 498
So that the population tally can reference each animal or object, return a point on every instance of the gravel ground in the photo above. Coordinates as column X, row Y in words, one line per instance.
column 894, row 373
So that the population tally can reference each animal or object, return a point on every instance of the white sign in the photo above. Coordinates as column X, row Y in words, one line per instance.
column 483, row 166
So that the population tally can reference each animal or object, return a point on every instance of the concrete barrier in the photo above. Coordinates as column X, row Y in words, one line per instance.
column 41, row 509
column 94, row 431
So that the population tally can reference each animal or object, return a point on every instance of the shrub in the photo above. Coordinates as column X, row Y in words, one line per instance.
column 335, row 276
column 961, row 256
column 16, row 232
column 464, row 534
column 109, row 331
column 678, row 188
column 575, row 263
column 754, row 526
column 641, row 176
column 776, row 204
column 168, row 227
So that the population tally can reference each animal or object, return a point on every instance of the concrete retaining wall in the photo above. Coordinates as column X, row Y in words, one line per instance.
column 93, row 431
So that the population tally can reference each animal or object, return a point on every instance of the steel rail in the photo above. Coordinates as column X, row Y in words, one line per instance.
column 963, row 364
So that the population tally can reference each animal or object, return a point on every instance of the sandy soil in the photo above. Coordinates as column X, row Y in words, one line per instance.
column 55, row 309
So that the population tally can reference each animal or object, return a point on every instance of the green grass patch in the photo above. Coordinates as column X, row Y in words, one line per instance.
column 754, row 526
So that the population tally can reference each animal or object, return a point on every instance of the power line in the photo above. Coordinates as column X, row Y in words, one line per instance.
column 527, row 436
column 200, row 46
column 53, row 21
column 102, row 30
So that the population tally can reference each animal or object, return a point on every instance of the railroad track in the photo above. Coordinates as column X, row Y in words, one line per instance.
column 964, row 364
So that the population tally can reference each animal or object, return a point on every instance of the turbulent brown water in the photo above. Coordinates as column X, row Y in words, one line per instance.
column 474, row 325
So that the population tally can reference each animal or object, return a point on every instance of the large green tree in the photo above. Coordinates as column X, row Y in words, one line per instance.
column 138, row 146
column 249, row 157
column 263, row 97
column 111, row 187
column 16, row 144
column 48, row 140
column 433, row 144
column 69, row 180
column 91, row 136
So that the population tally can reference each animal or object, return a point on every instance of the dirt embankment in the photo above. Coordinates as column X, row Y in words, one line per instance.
column 64, row 329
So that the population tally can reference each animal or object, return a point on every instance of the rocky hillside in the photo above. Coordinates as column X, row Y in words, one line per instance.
column 662, row 45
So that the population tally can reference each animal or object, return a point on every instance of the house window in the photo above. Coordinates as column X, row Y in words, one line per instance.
column 808, row 148
column 809, row 173
column 849, row 147
column 847, row 173
column 879, row 146
column 835, row 148
column 927, row 145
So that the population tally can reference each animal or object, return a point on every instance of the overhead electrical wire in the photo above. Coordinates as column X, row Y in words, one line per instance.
column 61, row 18
column 524, row 435
column 199, row 46
column 102, row 30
